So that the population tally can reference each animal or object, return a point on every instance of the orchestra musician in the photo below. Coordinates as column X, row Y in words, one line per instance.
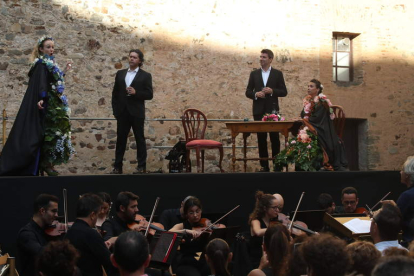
column 185, row 263
column 349, row 199
column 171, row 217
column 266, row 209
column 106, row 208
column 94, row 251
column 32, row 238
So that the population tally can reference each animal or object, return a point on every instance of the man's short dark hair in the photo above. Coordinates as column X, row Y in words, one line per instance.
column 389, row 221
column 324, row 201
column 131, row 251
column 43, row 201
column 87, row 204
column 140, row 55
column 268, row 52
column 395, row 266
column 349, row 190
column 123, row 199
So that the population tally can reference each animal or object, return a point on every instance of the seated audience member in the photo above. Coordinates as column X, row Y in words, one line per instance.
column 349, row 199
column 395, row 266
column 296, row 263
column 276, row 251
column 363, row 256
column 58, row 258
column 394, row 251
column 94, row 252
column 218, row 257
column 385, row 226
column 325, row 255
column 171, row 217
column 406, row 200
column 131, row 254
column 32, row 238
column 325, row 202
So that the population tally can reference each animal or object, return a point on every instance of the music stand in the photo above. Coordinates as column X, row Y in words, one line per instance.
column 228, row 234
column 163, row 248
column 312, row 218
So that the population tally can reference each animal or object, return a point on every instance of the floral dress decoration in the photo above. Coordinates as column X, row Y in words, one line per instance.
column 309, row 105
column 57, row 146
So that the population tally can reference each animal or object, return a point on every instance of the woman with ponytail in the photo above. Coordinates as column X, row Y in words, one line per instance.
column 276, row 251
column 218, row 256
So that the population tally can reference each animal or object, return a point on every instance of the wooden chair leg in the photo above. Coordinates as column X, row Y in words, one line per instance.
column 202, row 161
column 198, row 159
column 221, row 158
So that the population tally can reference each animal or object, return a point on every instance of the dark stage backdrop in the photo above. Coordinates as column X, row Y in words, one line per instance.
column 219, row 193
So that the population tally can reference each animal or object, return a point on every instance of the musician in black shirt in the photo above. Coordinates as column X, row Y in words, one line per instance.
column 32, row 238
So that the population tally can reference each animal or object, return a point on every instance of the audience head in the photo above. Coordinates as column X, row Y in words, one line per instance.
column 325, row 255
column 386, row 223
column 88, row 208
column 131, row 252
column 126, row 206
column 106, row 205
column 58, row 258
column 349, row 198
column 363, row 257
column 45, row 209
column 407, row 172
column 266, row 206
column 395, row 266
column 192, row 209
column 325, row 202
column 296, row 263
column 276, row 244
column 395, row 251
column 218, row 256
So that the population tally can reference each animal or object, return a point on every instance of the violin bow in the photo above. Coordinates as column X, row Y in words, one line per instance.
column 65, row 208
column 152, row 215
column 370, row 209
column 294, row 214
column 225, row 215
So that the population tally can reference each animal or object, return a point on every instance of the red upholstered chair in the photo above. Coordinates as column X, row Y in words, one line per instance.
column 195, row 124
column 339, row 121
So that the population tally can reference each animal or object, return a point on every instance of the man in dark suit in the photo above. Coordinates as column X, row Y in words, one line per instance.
column 132, row 88
column 265, row 86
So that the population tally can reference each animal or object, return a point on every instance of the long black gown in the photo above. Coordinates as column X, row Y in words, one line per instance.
column 21, row 153
column 327, row 137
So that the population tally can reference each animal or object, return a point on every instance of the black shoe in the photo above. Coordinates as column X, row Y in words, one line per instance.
column 140, row 170
column 264, row 169
column 116, row 171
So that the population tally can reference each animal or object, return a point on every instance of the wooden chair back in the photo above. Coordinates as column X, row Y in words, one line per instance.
column 194, row 123
column 339, row 121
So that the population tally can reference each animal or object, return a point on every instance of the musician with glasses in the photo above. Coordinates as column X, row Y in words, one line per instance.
column 349, row 199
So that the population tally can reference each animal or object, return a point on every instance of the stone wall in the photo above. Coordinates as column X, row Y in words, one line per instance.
column 200, row 54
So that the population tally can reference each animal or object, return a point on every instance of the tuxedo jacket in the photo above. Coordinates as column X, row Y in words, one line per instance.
column 275, row 81
column 133, row 104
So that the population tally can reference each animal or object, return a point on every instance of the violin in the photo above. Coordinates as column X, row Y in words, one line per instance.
column 205, row 225
column 57, row 228
column 140, row 223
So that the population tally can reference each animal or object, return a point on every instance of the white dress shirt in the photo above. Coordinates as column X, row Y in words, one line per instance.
column 130, row 76
column 381, row 246
column 265, row 77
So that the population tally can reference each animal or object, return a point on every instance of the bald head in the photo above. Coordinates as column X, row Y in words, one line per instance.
column 279, row 199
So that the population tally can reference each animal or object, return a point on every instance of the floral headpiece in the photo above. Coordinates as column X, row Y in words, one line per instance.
column 43, row 38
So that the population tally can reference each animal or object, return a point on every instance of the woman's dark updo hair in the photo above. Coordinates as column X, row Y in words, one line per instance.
column 263, row 202
column 318, row 85
column 190, row 202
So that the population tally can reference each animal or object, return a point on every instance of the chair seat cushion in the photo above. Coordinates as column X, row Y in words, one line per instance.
column 203, row 143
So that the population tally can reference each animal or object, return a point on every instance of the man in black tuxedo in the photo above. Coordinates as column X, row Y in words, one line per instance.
column 265, row 86
column 132, row 88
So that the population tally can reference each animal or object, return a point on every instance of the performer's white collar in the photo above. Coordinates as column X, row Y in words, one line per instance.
column 270, row 68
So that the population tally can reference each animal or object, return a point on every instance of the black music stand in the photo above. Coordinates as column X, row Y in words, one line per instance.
column 312, row 218
column 228, row 234
column 163, row 248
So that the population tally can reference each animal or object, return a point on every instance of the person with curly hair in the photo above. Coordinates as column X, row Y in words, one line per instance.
column 58, row 258
column 325, row 255
column 266, row 209
column 40, row 137
column 363, row 256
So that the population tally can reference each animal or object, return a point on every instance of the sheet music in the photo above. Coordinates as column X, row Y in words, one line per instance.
column 358, row 226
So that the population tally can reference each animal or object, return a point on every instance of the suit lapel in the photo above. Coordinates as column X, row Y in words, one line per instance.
column 260, row 77
column 271, row 76
column 136, row 76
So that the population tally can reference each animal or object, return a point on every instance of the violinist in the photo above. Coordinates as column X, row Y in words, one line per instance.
column 325, row 202
column 32, row 238
column 105, row 209
column 171, row 217
column 349, row 199
column 185, row 261
column 94, row 252
column 266, row 209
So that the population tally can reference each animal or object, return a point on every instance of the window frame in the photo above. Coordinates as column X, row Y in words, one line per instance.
column 351, row 36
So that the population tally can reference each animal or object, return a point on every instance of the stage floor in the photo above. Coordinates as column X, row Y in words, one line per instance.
column 219, row 193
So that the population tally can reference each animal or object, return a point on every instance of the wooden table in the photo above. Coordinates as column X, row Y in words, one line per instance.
column 246, row 128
